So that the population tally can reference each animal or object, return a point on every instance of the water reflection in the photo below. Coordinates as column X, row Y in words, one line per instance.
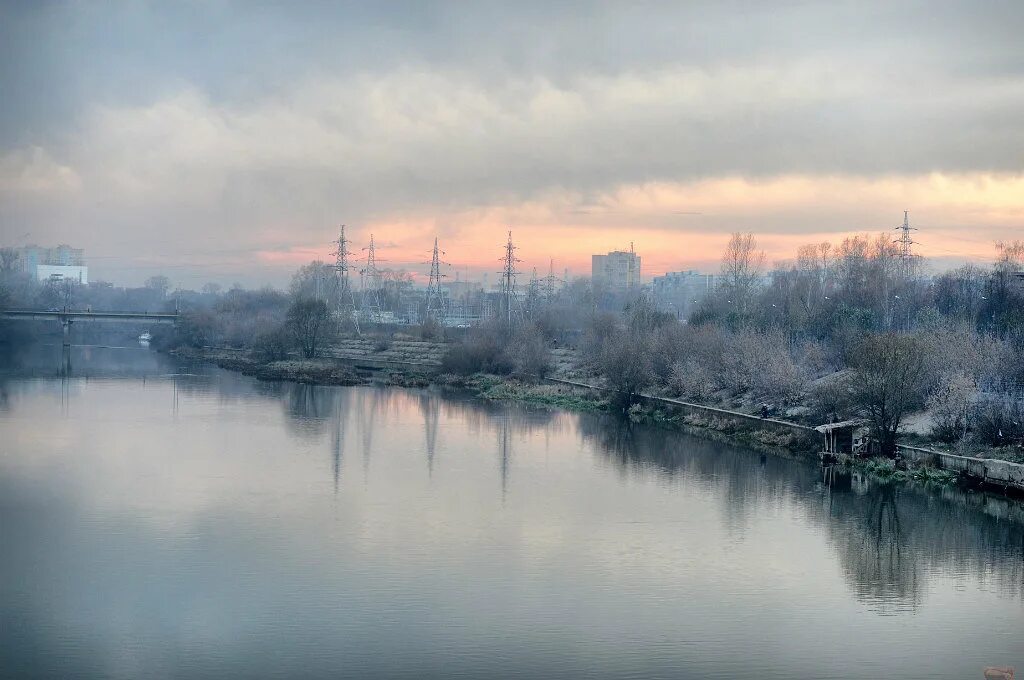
column 504, row 452
column 430, row 407
column 340, row 420
column 366, row 417
column 186, row 512
column 887, row 537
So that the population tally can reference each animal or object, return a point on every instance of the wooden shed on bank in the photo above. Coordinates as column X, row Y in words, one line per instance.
column 851, row 437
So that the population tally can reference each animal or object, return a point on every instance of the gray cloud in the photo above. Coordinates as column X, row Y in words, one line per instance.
column 230, row 120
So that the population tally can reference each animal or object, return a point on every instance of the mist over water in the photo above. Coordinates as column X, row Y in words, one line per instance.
column 165, row 519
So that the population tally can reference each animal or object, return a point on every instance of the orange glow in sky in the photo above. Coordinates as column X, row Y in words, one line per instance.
column 681, row 226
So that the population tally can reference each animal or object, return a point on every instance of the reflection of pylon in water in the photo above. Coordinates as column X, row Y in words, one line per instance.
column 372, row 307
column 436, row 307
column 510, row 308
column 339, row 445
column 504, row 451
column 431, row 409
column 347, row 308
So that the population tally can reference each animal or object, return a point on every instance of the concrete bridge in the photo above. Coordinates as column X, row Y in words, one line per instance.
column 66, row 317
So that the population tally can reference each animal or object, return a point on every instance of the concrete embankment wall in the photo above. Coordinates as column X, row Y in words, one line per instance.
column 988, row 470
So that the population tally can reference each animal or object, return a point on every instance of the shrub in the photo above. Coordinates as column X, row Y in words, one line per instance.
column 432, row 330
column 625, row 363
column 480, row 351
column 832, row 397
column 272, row 345
column 197, row 329
column 1000, row 420
column 529, row 351
column 950, row 405
column 693, row 380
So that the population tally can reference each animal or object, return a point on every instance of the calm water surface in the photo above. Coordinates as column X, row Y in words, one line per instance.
column 160, row 519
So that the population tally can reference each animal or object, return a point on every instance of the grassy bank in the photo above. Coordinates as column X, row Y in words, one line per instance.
column 307, row 371
column 779, row 442
column 500, row 388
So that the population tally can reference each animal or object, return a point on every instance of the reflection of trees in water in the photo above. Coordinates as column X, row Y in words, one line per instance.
column 737, row 479
column 889, row 537
column 886, row 537
column 309, row 408
column 481, row 416
column 873, row 550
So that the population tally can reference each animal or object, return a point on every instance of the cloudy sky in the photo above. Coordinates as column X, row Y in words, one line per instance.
column 227, row 141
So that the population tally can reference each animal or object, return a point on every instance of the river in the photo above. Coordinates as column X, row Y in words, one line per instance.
column 162, row 519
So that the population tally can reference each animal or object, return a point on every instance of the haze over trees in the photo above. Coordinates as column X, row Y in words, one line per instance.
column 840, row 331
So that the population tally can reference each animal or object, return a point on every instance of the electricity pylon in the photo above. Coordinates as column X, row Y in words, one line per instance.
column 509, row 302
column 533, row 295
column 435, row 297
column 906, row 256
column 346, row 296
column 372, row 306
column 549, row 282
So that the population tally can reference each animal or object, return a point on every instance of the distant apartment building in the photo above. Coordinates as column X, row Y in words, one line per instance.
column 459, row 290
column 680, row 292
column 616, row 272
column 61, row 262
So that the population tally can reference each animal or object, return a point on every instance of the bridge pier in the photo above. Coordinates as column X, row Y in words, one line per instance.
column 66, row 325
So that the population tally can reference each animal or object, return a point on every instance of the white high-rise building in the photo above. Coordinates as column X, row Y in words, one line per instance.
column 616, row 272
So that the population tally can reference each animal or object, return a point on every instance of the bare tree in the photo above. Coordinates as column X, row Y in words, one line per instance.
column 309, row 321
column 889, row 371
column 742, row 265
column 10, row 262
column 950, row 404
column 1005, row 299
column 314, row 280
column 625, row 362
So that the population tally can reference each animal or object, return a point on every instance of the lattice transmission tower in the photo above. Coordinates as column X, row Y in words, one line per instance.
column 372, row 306
column 533, row 295
column 551, row 281
column 347, row 309
column 436, row 303
column 509, row 304
column 906, row 255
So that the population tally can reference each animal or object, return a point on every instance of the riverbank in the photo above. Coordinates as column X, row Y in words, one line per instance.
column 765, row 435
column 325, row 371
